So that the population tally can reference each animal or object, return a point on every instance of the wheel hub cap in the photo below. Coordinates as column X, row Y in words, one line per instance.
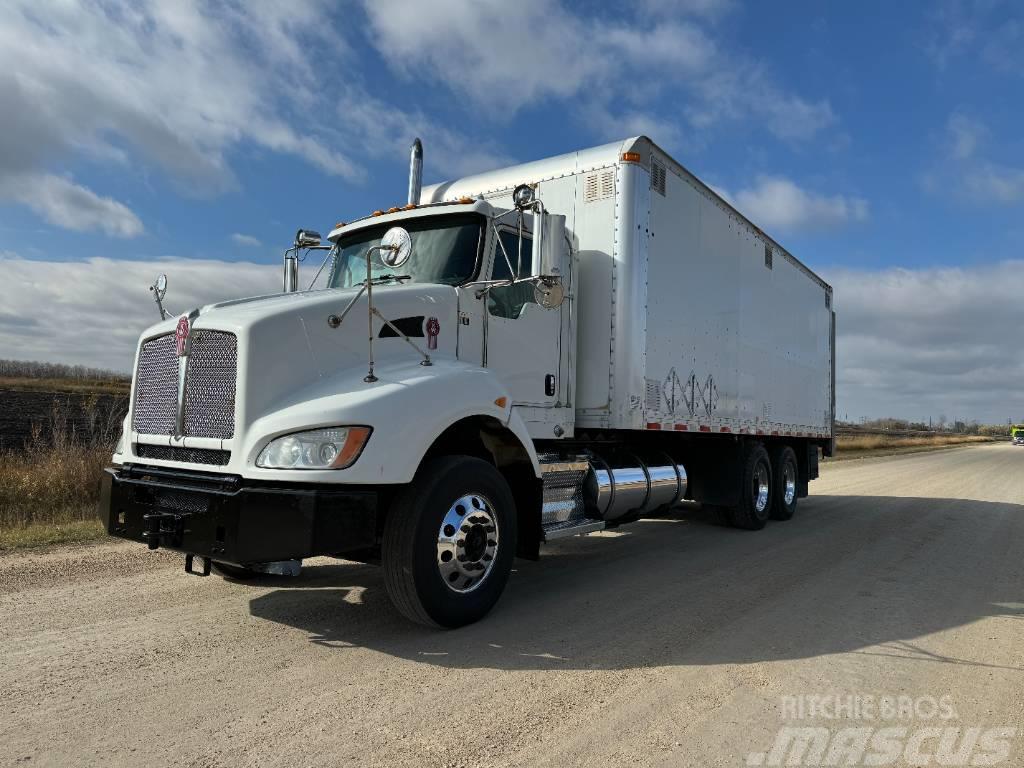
column 467, row 543
column 761, row 488
column 789, row 478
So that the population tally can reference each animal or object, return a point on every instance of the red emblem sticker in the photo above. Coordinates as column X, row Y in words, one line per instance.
column 181, row 336
column 433, row 329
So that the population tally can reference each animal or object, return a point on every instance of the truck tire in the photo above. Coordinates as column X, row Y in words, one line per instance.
column 755, row 504
column 449, row 542
column 785, row 483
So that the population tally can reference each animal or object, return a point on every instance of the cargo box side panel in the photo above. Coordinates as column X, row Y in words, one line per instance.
column 737, row 341
column 594, row 238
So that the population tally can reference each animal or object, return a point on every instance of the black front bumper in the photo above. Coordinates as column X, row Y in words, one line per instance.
column 226, row 518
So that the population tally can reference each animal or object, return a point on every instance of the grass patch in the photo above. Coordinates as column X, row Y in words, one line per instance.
column 46, row 534
column 856, row 446
column 113, row 387
column 49, row 491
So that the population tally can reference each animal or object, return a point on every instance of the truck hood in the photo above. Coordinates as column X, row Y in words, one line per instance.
column 285, row 345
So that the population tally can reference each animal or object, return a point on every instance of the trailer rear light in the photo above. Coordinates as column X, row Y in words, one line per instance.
column 630, row 157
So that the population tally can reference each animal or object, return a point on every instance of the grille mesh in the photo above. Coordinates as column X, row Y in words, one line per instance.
column 156, row 387
column 181, row 501
column 212, row 456
column 563, row 489
column 209, row 386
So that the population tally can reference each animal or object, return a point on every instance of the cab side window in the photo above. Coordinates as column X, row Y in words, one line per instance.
column 508, row 300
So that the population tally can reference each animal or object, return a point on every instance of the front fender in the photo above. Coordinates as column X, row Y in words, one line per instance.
column 408, row 409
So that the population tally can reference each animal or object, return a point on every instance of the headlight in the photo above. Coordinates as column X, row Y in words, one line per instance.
column 328, row 448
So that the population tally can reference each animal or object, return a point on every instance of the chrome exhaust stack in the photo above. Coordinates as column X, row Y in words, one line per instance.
column 415, row 172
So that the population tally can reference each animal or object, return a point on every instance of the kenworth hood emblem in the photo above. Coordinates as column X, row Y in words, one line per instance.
column 181, row 334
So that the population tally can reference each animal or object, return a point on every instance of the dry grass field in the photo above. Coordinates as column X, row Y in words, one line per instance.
column 854, row 446
column 50, row 488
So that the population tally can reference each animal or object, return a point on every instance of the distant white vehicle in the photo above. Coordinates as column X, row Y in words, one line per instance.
column 546, row 350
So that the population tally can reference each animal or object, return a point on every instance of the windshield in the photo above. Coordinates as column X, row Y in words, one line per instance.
column 445, row 249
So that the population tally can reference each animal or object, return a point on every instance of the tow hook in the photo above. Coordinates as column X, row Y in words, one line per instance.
column 164, row 528
column 207, row 563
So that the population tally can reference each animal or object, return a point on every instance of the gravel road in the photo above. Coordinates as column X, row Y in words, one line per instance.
column 674, row 642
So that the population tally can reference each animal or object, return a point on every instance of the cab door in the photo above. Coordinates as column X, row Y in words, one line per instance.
column 521, row 338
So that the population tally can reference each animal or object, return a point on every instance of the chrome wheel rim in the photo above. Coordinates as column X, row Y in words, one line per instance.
column 760, row 487
column 467, row 543
column 789, row 481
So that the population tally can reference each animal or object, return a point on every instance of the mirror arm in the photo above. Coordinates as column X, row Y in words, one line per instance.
column 332, row 253
column 159, row 299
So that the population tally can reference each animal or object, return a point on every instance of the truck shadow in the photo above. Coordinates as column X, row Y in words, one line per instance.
column 848, row 573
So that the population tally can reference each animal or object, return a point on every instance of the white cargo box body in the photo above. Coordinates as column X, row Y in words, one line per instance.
column 688, row 317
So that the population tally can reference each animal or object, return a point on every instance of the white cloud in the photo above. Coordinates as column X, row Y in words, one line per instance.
column 92, row 312
column 544, row 51
column 990, row 182
column 968, row 172
column 71, row 206
column 179, row 85
column 380, row 129
column 777, row 203
column 248, row 240
column 965, row 134
column 990, row 31
column 709, row 9
column 914, row 343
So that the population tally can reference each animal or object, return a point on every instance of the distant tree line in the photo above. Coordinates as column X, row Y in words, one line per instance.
column 34, row 369
column 942, row 424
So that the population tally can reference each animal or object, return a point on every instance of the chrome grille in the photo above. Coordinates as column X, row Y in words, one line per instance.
column 210, row 385
column 564, row 478
column 156, row 387
column 212, row 456
column 209, row 408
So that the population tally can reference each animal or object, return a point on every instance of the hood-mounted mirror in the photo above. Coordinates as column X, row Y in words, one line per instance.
column 159, row 289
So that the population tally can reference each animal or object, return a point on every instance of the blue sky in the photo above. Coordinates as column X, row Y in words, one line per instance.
column 880, row 142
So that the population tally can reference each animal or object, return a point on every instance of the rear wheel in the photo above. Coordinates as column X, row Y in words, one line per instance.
column 755, row 503
column 786, row 475
column 449, row 541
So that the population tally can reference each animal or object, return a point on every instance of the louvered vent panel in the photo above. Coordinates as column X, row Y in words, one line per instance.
column 658, row 177
column 653, row 395
column 598, row 186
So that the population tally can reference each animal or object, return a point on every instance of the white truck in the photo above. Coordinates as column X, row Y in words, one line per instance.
column 546, row 350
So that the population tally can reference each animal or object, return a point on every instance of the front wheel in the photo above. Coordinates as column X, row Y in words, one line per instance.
column 449, row 541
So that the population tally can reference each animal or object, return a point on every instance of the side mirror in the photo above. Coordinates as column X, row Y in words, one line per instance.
column 549, row 293
column 548, row 244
